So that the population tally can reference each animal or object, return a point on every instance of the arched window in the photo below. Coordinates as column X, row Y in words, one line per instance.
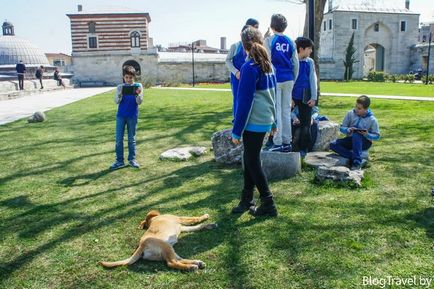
column 91, row 27
column 135, row 39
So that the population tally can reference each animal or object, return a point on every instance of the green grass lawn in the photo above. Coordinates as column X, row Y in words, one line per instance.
column 62, row 211
column 361, row 87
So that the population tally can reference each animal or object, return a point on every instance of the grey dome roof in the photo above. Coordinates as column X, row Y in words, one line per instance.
column 13, row 49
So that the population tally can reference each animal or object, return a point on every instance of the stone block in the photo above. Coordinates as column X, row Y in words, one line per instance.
column 328, row 132
column 224, row 150
column 278, row 165
column 340, row 175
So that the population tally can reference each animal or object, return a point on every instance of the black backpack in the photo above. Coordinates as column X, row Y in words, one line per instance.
column 38, row 73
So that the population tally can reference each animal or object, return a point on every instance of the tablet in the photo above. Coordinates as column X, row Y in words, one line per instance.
column 129, row 89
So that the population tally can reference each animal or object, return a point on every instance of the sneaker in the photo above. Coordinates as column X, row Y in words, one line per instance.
column 134, row 164
column 286, row 148
column 267, row 208
column 116, row 165
column 303, row 154
column 356, row 167
column 276, row 148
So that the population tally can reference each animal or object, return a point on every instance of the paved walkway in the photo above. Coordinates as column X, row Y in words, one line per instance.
column 14, row 109
column 397, row 97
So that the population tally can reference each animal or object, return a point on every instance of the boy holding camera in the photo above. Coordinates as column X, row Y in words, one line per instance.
column 129, row 96
column 361, row 128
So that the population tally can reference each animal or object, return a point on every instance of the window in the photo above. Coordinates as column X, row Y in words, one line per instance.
column 354, row 24
column 91, row 26
column 403, row 26
column 325, row 25
column 93, row 42
column 135, row 39
column 330, row 24
column 58, row 62
column 377, row 27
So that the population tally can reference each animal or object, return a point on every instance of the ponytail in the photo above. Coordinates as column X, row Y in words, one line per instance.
column 260, row 56
column 253, row 43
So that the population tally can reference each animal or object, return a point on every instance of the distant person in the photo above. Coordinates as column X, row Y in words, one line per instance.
column 129, row 96
column 58, row 77
column 304, row 93
column 234, row 60
column 361, row 128
column 255, row 116
column 21, row 70
column 283, row 54
column 40, row 75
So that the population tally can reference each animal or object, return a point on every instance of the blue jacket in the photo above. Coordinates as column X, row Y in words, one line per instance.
column 128, row 104
column 306, row 79
column 283, row 54
column 236, row 57
column 256, row 93
column 20, row 68
column 368, row 122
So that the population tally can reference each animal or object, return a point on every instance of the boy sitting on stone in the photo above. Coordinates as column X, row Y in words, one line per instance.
column 361, row 128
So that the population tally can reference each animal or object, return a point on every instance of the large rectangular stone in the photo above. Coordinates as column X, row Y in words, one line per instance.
column 278, row 165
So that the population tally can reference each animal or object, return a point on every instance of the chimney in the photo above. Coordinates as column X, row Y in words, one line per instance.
column 79, row 8
column 330, row 5
column 407, row 4
column 223, row 43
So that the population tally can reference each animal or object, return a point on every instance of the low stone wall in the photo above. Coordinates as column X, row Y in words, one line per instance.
column 12, row 85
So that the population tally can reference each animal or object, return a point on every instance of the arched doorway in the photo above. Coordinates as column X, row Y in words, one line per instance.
column 134, row 64
column 373, row 58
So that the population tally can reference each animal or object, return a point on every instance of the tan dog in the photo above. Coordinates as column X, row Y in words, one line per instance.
column 157, row 242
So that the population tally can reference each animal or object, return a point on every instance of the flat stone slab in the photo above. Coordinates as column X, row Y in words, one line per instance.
column 325, row 159
column 38, row 116
column 225, row 151
column 183, row 154
column 328, row 131
column 279, row 166
column 340, row 174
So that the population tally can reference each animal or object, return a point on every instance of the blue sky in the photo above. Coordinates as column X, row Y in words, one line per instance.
column 45, row 22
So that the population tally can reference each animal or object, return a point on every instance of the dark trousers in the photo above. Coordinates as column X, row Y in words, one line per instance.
column 40, row 81
column 21, row 81
column 253, row 173
column 302, row 136
column 351, row 147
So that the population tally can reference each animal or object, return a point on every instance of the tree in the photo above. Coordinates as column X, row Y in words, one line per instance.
column 350, row 59
column 319, row 14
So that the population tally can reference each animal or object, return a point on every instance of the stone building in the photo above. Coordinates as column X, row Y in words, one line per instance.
column 383, row 38
column 61, row 60
column 104, row 41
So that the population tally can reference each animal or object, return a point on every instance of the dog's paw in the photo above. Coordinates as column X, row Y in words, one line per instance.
column 211, row 226
column 201, row 264
column 193, row 268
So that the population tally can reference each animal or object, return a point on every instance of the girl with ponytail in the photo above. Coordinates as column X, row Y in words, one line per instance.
column 254, row 117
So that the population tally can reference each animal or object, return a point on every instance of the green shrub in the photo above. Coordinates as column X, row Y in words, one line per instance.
column 411, row 78
column 376, row 76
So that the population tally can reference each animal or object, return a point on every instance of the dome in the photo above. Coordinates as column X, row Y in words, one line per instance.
column 13, row 49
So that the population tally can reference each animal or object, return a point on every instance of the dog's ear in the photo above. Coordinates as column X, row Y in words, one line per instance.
column 145, row 224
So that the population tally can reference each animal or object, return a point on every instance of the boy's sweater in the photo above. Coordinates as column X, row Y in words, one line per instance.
column 368, row 122
column 128, row 104
column 283, row 54
column 306, row 79
column 256, row 93
column 236, row 57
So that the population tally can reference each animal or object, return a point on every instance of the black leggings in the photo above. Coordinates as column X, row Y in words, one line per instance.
column 253, row 173
column 302, row 135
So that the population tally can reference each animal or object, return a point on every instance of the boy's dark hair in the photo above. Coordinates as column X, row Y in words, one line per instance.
column 278, row 22
column 252, row 22
column 245, row 27
column 364, row 101
column 303, row 42
column 128, row 70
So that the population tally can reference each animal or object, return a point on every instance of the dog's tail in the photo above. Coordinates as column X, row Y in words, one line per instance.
column 136, row 256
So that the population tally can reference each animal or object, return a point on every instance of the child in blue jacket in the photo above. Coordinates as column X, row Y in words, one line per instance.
column 255, row 116
column 284, row 58
column 129, row 96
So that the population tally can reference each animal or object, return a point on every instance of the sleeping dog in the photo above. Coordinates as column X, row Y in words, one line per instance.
column 157, row 242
